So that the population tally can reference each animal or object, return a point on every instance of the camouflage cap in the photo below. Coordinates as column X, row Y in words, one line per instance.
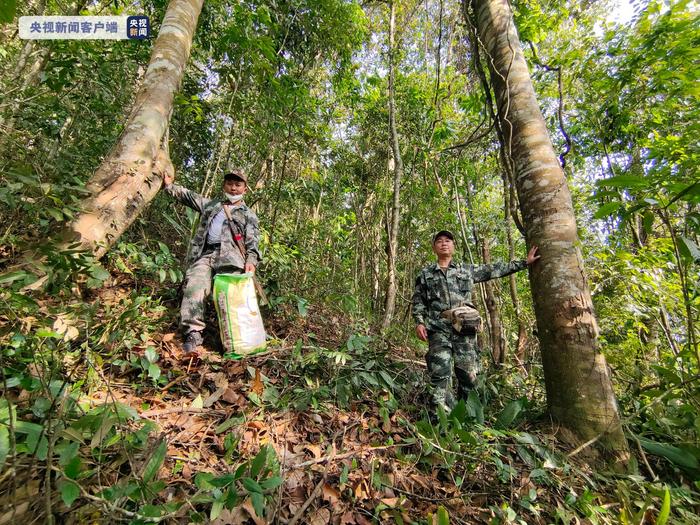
column 443, row 233
column 236, row 173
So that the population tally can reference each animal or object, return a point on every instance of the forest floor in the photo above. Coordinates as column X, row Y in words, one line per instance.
column 324, row 427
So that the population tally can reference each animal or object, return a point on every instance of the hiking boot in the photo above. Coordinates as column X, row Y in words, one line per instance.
column 192, row 341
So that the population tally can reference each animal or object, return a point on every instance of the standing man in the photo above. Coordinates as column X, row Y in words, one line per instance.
column 442, row 287
column 216, row 247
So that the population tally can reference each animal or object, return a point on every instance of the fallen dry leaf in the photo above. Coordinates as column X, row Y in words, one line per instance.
column 248, row 507
column 314, row 449
column 330, row 494
column 257, row 385
column 319, row 517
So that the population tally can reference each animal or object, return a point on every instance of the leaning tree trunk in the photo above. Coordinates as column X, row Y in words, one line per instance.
column 579, row 388
column 124, row 183
column 393, row 241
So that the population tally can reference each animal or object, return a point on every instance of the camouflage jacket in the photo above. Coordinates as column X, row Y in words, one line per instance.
column 229, row 254
column 436, row 291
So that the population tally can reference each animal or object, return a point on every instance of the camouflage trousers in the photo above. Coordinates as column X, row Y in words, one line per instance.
column 448, row 349
column 198, row 285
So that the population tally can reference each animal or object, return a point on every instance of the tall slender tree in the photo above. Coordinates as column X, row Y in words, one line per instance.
column 579, row 388
column 393, row 227
column 124, row 183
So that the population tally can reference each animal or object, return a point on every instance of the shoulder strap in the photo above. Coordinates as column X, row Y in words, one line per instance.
column 236, row 234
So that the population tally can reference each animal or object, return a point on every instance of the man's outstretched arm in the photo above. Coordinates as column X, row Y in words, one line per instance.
column 486, row 272
column 187, row 197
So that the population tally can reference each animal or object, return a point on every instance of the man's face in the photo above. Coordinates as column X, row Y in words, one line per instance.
column 235, row 186
column 443, row 246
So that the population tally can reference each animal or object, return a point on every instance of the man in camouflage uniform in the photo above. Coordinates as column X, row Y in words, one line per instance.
column 443, row 286
column 213, row 248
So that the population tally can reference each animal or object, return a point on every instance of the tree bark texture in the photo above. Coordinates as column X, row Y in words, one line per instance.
column 124, row 183
column 393, row 229
column 578, row 383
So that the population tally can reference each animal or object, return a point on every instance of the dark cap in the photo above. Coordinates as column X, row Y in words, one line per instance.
column 443, row 233
column 236, row 174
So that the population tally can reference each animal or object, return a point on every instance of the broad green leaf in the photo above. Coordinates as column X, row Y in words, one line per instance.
column 154, row 462
column 252, row 486
column 607, row 209
column 689, row 250
column 271, row 483
column 258, row 462
column 4, row 445
column 302, row 305
column 675, row 455
column 69, row 491
column 216, row 509
column 624, row 181
column 509, row 413
column 151, row 354
column 154, row 371
column 258, row 501
column 9, row 277
column 665, row 511
column 443, row 518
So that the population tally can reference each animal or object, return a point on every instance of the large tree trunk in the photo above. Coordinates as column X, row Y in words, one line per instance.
column 393, row 229
column 124, row 183
column 579, row 388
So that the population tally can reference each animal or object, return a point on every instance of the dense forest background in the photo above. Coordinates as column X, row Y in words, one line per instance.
column 365, row 128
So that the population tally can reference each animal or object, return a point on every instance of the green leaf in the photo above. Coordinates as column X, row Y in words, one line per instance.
column 69, row 491
column 258, row 462
column 258, row 501
column 665, row 511
column 252, row 486
column 151, row 354
column 10, row 277
column 216, row 509
column 625, row 181
column 443, row 518
column 99, row 273
column 509, row 413
column 689, row 250
column 223, row 427
column 302, row 306
column 271, row 483
column 8, row 10
column 154, row 371
column 154, row 462
column 675, row 455
column 4, row 445
column 607, row 209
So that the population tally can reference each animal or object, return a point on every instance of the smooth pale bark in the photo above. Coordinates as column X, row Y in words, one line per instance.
column 125, row 181
column 579, row 388
column 393, row 226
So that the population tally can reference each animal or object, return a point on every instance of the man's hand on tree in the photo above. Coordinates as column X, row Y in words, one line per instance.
column 532, row 255
column 421, row 332
column 249, row 268
column 164, row 168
